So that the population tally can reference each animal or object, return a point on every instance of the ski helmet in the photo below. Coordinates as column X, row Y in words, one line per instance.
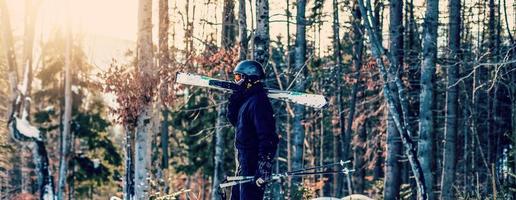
column 250, row 69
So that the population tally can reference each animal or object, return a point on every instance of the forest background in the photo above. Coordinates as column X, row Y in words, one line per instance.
column 422, row 96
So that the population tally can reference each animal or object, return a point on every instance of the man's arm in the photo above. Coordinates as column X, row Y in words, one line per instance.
column 264, row 122
column 235, row 101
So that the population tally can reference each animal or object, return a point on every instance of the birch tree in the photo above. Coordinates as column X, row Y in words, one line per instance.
column 261, row 35
column 402, row 125
column 31, row 10
column 147, row 72
column 358, row 46
column 19, row 127
column 228, row 40
column 164, row 63
column 448, row 175
column 299, row 111
column 242, row 33
column 337, row 58
column 425, row 152
column 392, row 180
column 67, row 117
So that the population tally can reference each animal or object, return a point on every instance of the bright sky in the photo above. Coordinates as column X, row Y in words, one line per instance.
column 118, row 18
column 115, row 18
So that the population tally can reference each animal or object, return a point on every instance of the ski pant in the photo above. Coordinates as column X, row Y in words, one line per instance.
column 247, row 166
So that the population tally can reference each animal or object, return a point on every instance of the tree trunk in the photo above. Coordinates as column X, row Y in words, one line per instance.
column 40, row 156
column 31, row 10
column 359, row 163
column 67, row 118
column 228, row 40
column 10, row 55
column 15, row 174
column 378, row 18
column 218, row 171
column 28, row 42
column 299, row 110
column 147, row 72
column 394, row 149
column 402, row 126
column 288, row 126
column 242, row 25
column 358, row 45
column 261, row 36
column 448, row 175
column 425, row 152
column 129, row 163
column 411, row 55
column 228, row 25
column 164, row 64
column 337, row 58
column 45, row 179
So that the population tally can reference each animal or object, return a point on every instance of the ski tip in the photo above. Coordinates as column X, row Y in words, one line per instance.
column 178, row 76
column 325, row 105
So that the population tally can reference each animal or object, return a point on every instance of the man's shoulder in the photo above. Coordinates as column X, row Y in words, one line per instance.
column 259, row 97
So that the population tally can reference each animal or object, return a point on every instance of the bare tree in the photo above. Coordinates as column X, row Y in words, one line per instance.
column 402, row 125
column 147, row 72
column 164, row 62
column 448, row 175
column 228, row 40
column 261, row 35
column 31, row 9
column 300, row 59
column 242, row 25
column 358, row 46
column 425, row 152
column 67, row 117
column 392, row 180
column 17, row 120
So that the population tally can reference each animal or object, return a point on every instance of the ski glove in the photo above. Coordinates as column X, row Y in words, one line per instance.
column 264, row 168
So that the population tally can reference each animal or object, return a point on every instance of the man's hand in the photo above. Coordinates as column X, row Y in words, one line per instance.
column 260, row 182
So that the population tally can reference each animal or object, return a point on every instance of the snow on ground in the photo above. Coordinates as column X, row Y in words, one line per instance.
column 96, row 162
column 49, row 194
column 48, row 108
column 24, row 127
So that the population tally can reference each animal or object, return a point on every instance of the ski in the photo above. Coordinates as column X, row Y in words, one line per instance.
column 311, row 100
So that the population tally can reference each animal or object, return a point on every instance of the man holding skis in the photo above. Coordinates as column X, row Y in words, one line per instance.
column 250, row 111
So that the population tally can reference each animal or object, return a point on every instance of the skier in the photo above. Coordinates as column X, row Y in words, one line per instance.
column 250, row 111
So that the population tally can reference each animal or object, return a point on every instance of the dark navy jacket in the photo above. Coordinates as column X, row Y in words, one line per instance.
column 256, row 140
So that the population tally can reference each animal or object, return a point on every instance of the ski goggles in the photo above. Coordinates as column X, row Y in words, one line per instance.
column 237, row 77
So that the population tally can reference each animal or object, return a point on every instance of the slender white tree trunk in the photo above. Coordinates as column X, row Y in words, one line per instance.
column 299, row 110
column 425, row 152
column 147, row 73
column 394, row 106
column 164, row 62
column 448, row 175
column 242, row 25
column 261, row 35
column 392, row 180
column 67, row 118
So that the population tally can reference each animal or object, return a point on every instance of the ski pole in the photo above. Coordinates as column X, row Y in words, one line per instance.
column 236, row 180
column 341, row 163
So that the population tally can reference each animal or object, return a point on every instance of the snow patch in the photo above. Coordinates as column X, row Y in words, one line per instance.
column 49, row 194
column 325, row 198
column 24, row 127
column 75, row 89
column 96, row 162
column 49, row 108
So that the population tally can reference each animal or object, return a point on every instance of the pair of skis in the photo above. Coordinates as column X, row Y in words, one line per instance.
column 237, row 180
column 311, row 100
